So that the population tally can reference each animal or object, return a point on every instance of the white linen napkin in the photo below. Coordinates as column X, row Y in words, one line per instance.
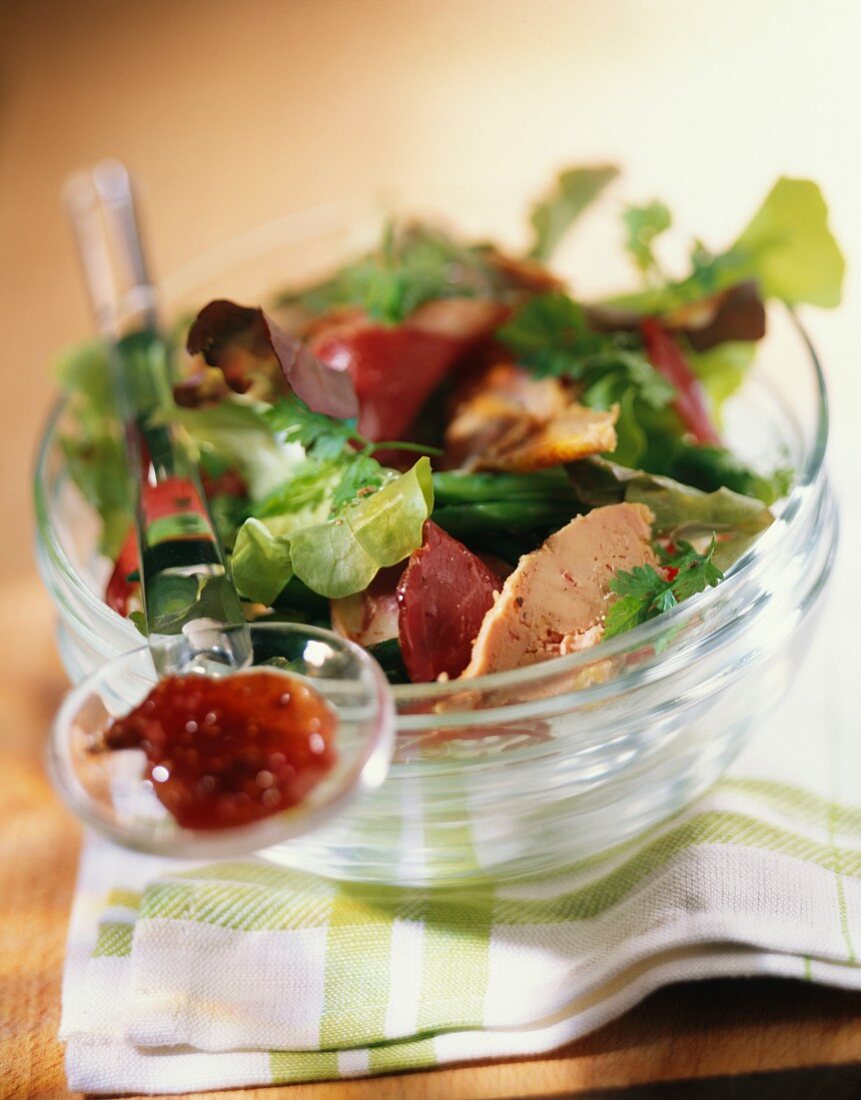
column 183, row 977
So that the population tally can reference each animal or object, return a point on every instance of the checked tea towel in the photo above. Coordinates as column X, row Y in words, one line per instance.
column 185, row 977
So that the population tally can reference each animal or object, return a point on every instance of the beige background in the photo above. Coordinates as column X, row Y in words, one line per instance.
column 235, row 112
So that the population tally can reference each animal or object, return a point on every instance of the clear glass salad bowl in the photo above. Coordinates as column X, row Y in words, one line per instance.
column 526, row 771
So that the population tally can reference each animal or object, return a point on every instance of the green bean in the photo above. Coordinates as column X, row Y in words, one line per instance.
column 460, row 488
column 515, row 515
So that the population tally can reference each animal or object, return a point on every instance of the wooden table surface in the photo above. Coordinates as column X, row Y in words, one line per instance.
column 698, row 1030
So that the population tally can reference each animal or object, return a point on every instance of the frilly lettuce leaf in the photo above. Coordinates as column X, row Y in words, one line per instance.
column 261, row 562
column 787, row 248
column 83, row 370
column 680, row 511
column 224, row 333
column 342, row 555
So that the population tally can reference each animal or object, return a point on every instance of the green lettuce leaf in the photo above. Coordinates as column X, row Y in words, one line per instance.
column 261, row 563
column 342, row 555
column 680, row 511
column 573, row 191
column 83, row 370
column 721, row 370
column 787, row 247
column 92, row 444
column 239, row 432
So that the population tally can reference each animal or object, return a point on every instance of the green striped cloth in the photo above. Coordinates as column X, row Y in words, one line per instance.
column 184, row 977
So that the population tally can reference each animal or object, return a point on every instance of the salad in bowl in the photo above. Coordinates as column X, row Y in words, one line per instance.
column 525, row 505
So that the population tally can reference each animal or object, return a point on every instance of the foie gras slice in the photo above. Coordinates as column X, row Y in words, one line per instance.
column 556, row 599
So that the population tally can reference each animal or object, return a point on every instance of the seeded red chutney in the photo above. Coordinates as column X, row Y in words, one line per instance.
column 231, row 750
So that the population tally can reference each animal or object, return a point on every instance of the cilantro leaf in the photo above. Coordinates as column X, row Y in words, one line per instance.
column 339, row 465
column 551, row 335
column 573, row 191
column 644, row 592
column 321, row 436
column 644, row 224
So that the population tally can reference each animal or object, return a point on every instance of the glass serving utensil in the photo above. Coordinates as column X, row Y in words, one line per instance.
column 190, row 607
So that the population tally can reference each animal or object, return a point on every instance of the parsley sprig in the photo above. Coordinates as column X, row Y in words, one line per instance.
column 644, row 592
column 551, row 335
column 339, row 463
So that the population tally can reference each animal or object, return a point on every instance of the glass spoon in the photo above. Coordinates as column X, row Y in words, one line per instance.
column 196, row 626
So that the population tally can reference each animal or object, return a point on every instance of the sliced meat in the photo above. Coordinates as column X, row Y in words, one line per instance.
column 501, row 398
column 465, row 319
column 575, row 433
column 508, row 420
column 395, row 369
column 556, row 599
column 443, row 597
column 520, row 274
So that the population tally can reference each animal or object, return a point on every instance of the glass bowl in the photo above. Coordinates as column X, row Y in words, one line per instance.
column 522, row 772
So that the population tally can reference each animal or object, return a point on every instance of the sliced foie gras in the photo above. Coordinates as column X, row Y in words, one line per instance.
column 556, row 599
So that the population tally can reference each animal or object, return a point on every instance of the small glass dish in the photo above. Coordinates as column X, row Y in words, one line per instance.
column 527, row 771
column 109, row 791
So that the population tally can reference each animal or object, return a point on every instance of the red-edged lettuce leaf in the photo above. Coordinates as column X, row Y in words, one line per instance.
column 225, row 334
column 666, row 357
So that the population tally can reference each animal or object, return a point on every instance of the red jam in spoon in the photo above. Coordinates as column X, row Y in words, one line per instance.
column 230, row 750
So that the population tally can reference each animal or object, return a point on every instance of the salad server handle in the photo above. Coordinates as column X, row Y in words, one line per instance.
column 192, row 611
